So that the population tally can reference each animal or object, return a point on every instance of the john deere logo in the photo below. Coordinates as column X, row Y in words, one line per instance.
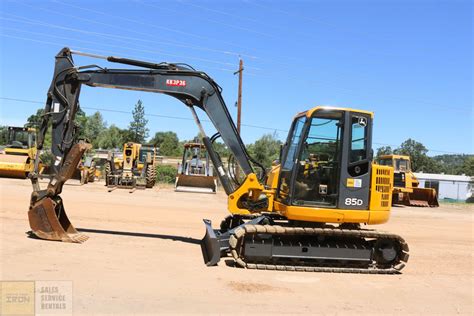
column 362, row 121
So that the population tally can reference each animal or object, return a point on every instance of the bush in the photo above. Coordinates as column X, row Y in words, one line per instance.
column 470, row 199
column 47, row 158
column 166, row 173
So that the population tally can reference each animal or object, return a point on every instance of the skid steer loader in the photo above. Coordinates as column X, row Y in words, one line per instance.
column 406, row 190
column 303, row 215
column 18, row 157
column 195, row 173
column 136, row 169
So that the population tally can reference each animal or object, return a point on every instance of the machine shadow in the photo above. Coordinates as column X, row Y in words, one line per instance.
column 188, row 240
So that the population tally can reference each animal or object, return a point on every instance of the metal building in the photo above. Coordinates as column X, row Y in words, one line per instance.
column 448, row 186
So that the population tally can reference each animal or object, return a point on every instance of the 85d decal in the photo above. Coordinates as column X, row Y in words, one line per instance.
column 353, row 201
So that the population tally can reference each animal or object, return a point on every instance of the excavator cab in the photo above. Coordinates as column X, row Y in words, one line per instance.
column 326, row 160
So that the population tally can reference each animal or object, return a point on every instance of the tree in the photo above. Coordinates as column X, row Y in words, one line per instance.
column 265, row 150
column 3, row 135
column 137, row 127
column 468, row 166
column 34, row 120
column 81, row 121
column 111, row 138
column 168, row 143
column 94, row 127
column 418, row 155
column 384, row 150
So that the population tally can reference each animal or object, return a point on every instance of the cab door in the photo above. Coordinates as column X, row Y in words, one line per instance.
column 354, row 186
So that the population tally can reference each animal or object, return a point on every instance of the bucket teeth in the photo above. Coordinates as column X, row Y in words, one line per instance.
column 48, row 220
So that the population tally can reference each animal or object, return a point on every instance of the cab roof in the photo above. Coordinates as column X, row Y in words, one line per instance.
column 311, row 111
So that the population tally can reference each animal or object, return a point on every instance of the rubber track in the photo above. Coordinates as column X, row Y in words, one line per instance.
column 236, row 243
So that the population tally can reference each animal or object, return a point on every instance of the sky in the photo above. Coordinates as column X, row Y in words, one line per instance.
column 410, row 62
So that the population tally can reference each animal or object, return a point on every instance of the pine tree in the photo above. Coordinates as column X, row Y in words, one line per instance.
column 137, row 127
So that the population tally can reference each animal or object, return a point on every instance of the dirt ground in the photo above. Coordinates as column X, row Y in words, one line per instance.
column 143, row 257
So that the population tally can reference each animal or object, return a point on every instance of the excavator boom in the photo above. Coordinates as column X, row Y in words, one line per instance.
column 193, row 88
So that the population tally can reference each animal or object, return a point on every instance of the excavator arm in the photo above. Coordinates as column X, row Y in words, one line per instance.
column 193, row 88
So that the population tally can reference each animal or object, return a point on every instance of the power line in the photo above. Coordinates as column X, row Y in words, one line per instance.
column 269, row 74
column 119, row 38
column 155, row 26
column 346, row 91
column 213, row 21
column 122, row 47
column 161, row 41
column 95, row 50
column 310, row 19
column 152, row 115
column 207, row 121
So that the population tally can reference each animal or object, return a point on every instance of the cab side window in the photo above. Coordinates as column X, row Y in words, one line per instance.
column 359, row 139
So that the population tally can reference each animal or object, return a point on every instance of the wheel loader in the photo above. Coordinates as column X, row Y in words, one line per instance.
column 305, row 214
column 195, row 173
column 135, row 170
column 406, row 190
column 18, row 157
column 88, row 170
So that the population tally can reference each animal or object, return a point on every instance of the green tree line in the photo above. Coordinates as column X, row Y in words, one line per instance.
column 264, row 150
column 447, row 163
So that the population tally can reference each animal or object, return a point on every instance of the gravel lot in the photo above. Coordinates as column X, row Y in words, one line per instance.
column 143, row 257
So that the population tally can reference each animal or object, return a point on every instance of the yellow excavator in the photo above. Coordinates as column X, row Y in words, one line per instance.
column 18, row 157
column 406, row 190
column 136, row 168
column 303, row 215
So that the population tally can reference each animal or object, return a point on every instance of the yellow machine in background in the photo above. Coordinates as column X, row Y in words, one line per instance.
column 195, row 172
column 88, row 170
column 17, row 159
column 406, row 189
column 136, row 168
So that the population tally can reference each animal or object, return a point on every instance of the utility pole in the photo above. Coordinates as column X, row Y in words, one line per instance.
column 239, row 106
column 239, row 97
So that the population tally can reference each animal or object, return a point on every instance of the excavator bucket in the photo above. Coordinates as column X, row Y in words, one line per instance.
column 48, row 220
column 210, row 246
column 47, row 216
column 423, row 197
column 13, row 166
column 196, row 183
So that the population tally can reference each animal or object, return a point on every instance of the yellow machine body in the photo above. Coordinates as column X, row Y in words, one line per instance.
column 406, row 189
column 380, row 199
column 17, row 159
column 195, row 172
column 129, row 169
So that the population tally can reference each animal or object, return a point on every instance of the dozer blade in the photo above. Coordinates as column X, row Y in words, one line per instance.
column 13, row 166
column 210, row 246
column 195, row 183
column 424, row 197
column 48, row 220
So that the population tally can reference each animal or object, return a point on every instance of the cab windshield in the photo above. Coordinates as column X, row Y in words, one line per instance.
column 385, row 162
column 402, row 165
column 20, row 139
